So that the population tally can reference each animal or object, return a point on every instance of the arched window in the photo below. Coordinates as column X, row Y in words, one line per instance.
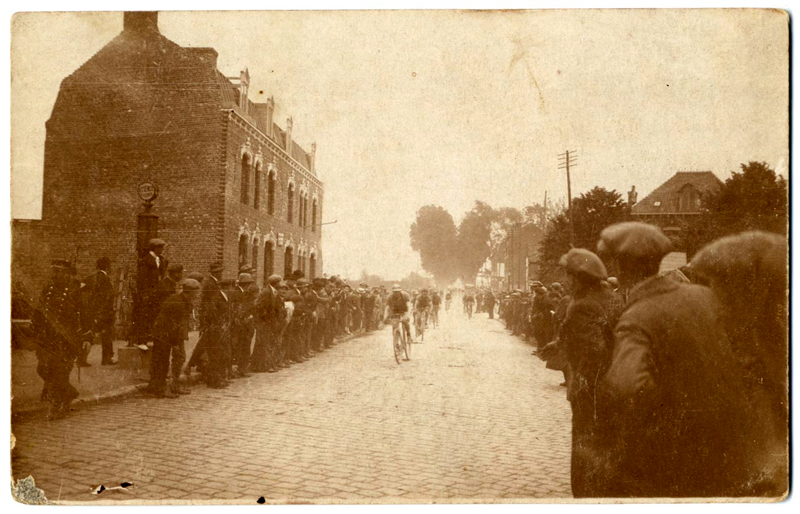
column 271, row 194
column 269, row 260
column 290, row 203
column 254, row 259
column 314, row 215
column 288, row 257
column 257, row 190
column 245, row 179
column 312, row 266
column 242, row 250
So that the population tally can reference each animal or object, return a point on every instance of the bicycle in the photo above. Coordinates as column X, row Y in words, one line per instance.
column 400, row 343
column 435, row 318
column 420, row 321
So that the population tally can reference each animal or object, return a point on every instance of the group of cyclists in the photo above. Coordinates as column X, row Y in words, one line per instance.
column 423, row 307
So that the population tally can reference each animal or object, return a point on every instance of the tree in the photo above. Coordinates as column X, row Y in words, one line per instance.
column 754, row 199
column 434, row 236
column 592, row 212
column 474, row 236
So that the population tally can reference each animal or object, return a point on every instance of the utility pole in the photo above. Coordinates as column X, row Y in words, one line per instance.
column 565, row 160
column 544, row 221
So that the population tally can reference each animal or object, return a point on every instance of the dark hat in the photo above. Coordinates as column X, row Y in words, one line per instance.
column 296, row 275
column 364, row 284
column 190, row 284
column 215, row 267
column 245, row 278
column 196, row 275
column 634, row 240
column 155, row 242
column 583, row 263
column 320, row 282
column 274, row 280
column 613, row 282
column 536, row 283
column 245, row 269
column 103, row 262
column 175, row 268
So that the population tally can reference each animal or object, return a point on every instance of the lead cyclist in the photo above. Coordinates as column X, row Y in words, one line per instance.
column 397, row 305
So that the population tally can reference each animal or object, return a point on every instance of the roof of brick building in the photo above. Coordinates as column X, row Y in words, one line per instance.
column 664, row 199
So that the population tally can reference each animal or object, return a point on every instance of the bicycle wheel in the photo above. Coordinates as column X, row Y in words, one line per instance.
column 397, row 344
column 406, row 345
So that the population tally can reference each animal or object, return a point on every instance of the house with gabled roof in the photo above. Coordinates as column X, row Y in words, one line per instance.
column 676, row 201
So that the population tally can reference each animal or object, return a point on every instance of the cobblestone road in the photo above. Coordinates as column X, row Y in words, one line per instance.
column 473, row 416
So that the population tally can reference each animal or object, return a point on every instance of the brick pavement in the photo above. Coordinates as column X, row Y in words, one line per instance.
column 472, row 417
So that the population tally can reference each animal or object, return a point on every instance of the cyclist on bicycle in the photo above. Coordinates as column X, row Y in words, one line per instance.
column 422, row 306
column 448, row 297
column 436, row 301
column 469, row 300
column 397, row 307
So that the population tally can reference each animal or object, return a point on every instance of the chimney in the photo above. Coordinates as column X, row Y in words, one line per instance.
column 270, row 112
column 140, row 21
column 289, row 136
column 312, row 157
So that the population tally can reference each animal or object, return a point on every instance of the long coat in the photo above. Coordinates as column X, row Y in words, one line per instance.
column 585, row 340
column 674, row 394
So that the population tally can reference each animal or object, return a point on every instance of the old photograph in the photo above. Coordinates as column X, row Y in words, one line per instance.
column 400, row 256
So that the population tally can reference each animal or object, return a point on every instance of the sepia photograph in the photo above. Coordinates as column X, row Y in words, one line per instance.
column 399, row 256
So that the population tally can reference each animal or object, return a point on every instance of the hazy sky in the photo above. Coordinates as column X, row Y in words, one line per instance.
column 416, row 107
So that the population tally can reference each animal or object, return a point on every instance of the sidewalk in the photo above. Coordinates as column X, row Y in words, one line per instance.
column 96, row 382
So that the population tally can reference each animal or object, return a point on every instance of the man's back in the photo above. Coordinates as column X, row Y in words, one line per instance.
column 675, row 395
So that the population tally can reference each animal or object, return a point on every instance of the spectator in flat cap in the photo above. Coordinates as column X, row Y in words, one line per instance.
column 672, row 382
column 748, row 272
column 151, row 270
column 170, row 330
column 585, row 339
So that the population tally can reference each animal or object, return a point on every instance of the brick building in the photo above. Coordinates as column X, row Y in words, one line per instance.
column 233, row 186
column 675, row 202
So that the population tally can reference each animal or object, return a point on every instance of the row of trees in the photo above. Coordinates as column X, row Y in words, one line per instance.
column 755, row 198
column 449, row 252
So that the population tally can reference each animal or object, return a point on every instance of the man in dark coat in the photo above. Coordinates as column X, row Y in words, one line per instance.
column 152, row 270
column 56, row 323
column 243, row 300
column 585, row 338
column 672, row 390
column 748, row 273
column 214, row 325
column 170, row 330
column 269, row 313
column 101, row 308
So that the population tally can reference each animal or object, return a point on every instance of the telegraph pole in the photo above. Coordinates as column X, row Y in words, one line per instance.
column 565, row 160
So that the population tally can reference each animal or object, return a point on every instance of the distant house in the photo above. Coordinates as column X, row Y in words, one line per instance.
column 676, row 200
